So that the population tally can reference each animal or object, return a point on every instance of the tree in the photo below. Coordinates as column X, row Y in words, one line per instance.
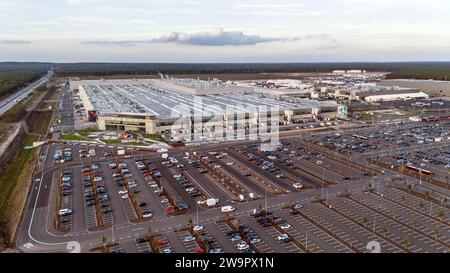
column 409, row 188
column 421, row 205
column 290, row 202
column 441, row 214
column 405, row 242
column 104, row 242
column 190, row 222
column 437, row 232
column 414, row 223
column 150, row 234
column 365, row 221
column 384, row 230
column 427, row 195
column 447, row 180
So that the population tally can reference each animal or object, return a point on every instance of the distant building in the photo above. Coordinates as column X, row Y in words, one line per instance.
column 432, row 88
column 392, row 95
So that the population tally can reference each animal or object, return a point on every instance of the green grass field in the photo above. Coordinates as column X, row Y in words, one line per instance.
column 13, row 187
column 71, row 137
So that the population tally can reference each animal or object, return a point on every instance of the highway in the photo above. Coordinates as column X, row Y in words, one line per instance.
column 15, row 98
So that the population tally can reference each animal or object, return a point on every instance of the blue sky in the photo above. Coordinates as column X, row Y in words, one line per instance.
column 224, row 31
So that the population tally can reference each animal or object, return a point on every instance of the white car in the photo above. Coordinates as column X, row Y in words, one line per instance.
column 225, row 209
column 242, row 246
column 124, row 196
column 188, row 239
column 298, row 186
column 201, row 202
column 166, row 250
column 282, row 237
column 197, row 228
column 229, row 163
column 123, row 192
column 146, row 214
column 298, row 206
column 285, row 226
column 98, row 179
column 66, row 178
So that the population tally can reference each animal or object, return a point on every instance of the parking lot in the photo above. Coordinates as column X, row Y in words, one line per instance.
column 101, row 188
column 389, row 138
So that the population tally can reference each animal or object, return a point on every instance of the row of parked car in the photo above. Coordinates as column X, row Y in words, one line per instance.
column 65, row 214
column 94, row 188
column 63, row 155
column 265, row 164
column 242, row 237
column 151, row 176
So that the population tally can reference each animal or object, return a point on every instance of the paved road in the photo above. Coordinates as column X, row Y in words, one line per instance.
column 15, row 98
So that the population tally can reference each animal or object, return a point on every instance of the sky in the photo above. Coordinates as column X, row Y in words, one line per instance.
column 224, row 31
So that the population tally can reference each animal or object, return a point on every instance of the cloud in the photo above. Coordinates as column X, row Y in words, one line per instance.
column 216, row 37
column 73, row 2
column 15, row 42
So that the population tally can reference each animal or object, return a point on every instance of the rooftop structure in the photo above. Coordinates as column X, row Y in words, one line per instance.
column 162, row 102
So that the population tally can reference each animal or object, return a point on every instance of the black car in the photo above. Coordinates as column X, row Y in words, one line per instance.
column 106, row 210
column 89, row 198
column 141, row 239
column 182, row 205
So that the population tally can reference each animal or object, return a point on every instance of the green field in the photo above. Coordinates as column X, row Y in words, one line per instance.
column 117, row 141
column 153, row 137
column 13, row 187
column 71, row 137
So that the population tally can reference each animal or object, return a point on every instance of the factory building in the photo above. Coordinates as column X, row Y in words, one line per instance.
column 392, row 95
column 432, row 88
column 185, row 106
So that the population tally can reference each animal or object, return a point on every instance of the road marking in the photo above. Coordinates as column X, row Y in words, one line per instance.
column 28, row 245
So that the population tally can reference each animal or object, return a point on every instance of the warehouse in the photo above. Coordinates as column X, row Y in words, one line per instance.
column 432, row 88
column 392, row 95
column 174, row 106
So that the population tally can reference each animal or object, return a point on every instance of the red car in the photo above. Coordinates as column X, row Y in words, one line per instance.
column 169, row 209
column 162, row 242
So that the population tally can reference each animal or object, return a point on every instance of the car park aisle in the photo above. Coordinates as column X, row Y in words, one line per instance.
column 117, row 209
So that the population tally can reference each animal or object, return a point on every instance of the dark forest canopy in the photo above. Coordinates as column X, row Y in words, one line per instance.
column 14, row 76
column 420, row 70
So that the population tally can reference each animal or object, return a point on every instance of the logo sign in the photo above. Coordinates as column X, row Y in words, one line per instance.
column 374, row 247
column 73, row 247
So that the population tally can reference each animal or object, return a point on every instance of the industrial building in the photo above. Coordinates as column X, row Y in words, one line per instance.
column 431, row 87
column 392, row 95
column 185, row 106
